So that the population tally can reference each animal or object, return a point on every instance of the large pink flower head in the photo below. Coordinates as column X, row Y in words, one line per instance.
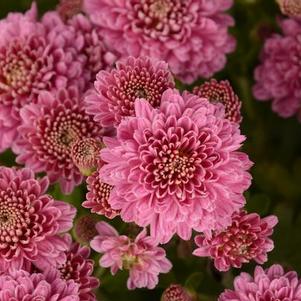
column 116, row 91
column 49, row 129
column 266, row 285
column 77, row 267
column 22, row 286
column 32, row 59
column 246, row 239
column 142, row 257
column 190, row 35
column 170, row 167
column 30, row 221
column 278, row 78
column 221, row 92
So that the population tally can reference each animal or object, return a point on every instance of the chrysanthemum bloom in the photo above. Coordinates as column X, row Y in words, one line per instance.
column 290, row 8
column 22, row 286
column 116, row 91
column 175, row 292
column 266, row 285
column 30, row 221
column 49, row 129
column 142, row 257
column 32, row 59
column 171, row 167
column 190, row 35
column 85, row 155
column 245, row 240
column 69, row 8
column 221, row 92
column 279, row 75
column 84, row 228
column 79, row 268
column 98, row 196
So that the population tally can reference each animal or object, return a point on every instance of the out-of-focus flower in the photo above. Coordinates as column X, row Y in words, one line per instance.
column 266, row 285
column 176, row 292
column 31, row 222
column 22, row 286
column 49, row 129
column 116, row 91
column 85, row 229
column 78, row 268
column 278, row 78
column 245, row 240
column 221, row 92
column 291, row 8
column 69, row 8
column 190, row 35
column 142, row 257
column 97, row 198
column 32, row 59
column 171, row 167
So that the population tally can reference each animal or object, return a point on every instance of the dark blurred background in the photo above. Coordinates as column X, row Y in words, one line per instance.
column 273, row 144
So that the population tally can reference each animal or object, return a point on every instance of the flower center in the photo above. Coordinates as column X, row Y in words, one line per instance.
column 160, row 8
column 129, row 261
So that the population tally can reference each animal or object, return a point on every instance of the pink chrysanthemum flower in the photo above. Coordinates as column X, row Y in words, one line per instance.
column 190, row 35
column 49, row 129
column 279, row 75
column 175, row 292
column 69, row 8
column 116, row 91
column 32, row 59
column 266, row 285
column 30, row 221
column 170, row 167
column 79, row 268
column 290, row 8
column 22, row 286
column 245, row 240
column 98, row 197
column 221, row 92
column 142, row 257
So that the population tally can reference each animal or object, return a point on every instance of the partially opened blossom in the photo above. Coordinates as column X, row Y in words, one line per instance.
column 31, row 222
column 278, row 77
column 221, row 92
column 116, row 91
column 23, row 286
column 84, row 228
column 142, row 257
column 77, row 267
column 69, row 8
column 32, row 59
column 266, row 285
column 290, row 8
column 246, row 239
column 49, row 129
column 190, row 35
column 176, row 168
column 176, row 292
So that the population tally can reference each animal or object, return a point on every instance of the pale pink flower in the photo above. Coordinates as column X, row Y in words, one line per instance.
column 49, row 129
column 246, row 239
column 116, row 91
column 176, row 168
column 142, row 257
column 221, row 92
column 266, row 285
column 31, row 222
column 190, row 35
column 278, row 77
column 291, row 8
column 22, row 286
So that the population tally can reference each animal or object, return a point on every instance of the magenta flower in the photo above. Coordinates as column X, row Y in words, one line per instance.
column 49, row 129
column 191, row 36
column 78, row 268
column 142, row 257
column 221, row 92
column 97, row 198
column 245, row 240
column 22, row 286
column 170, row 167
column 31, row 222
column 176, row 292
column 279, row 75
column 266, row 285
column 32, row 59
column 116, row 91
